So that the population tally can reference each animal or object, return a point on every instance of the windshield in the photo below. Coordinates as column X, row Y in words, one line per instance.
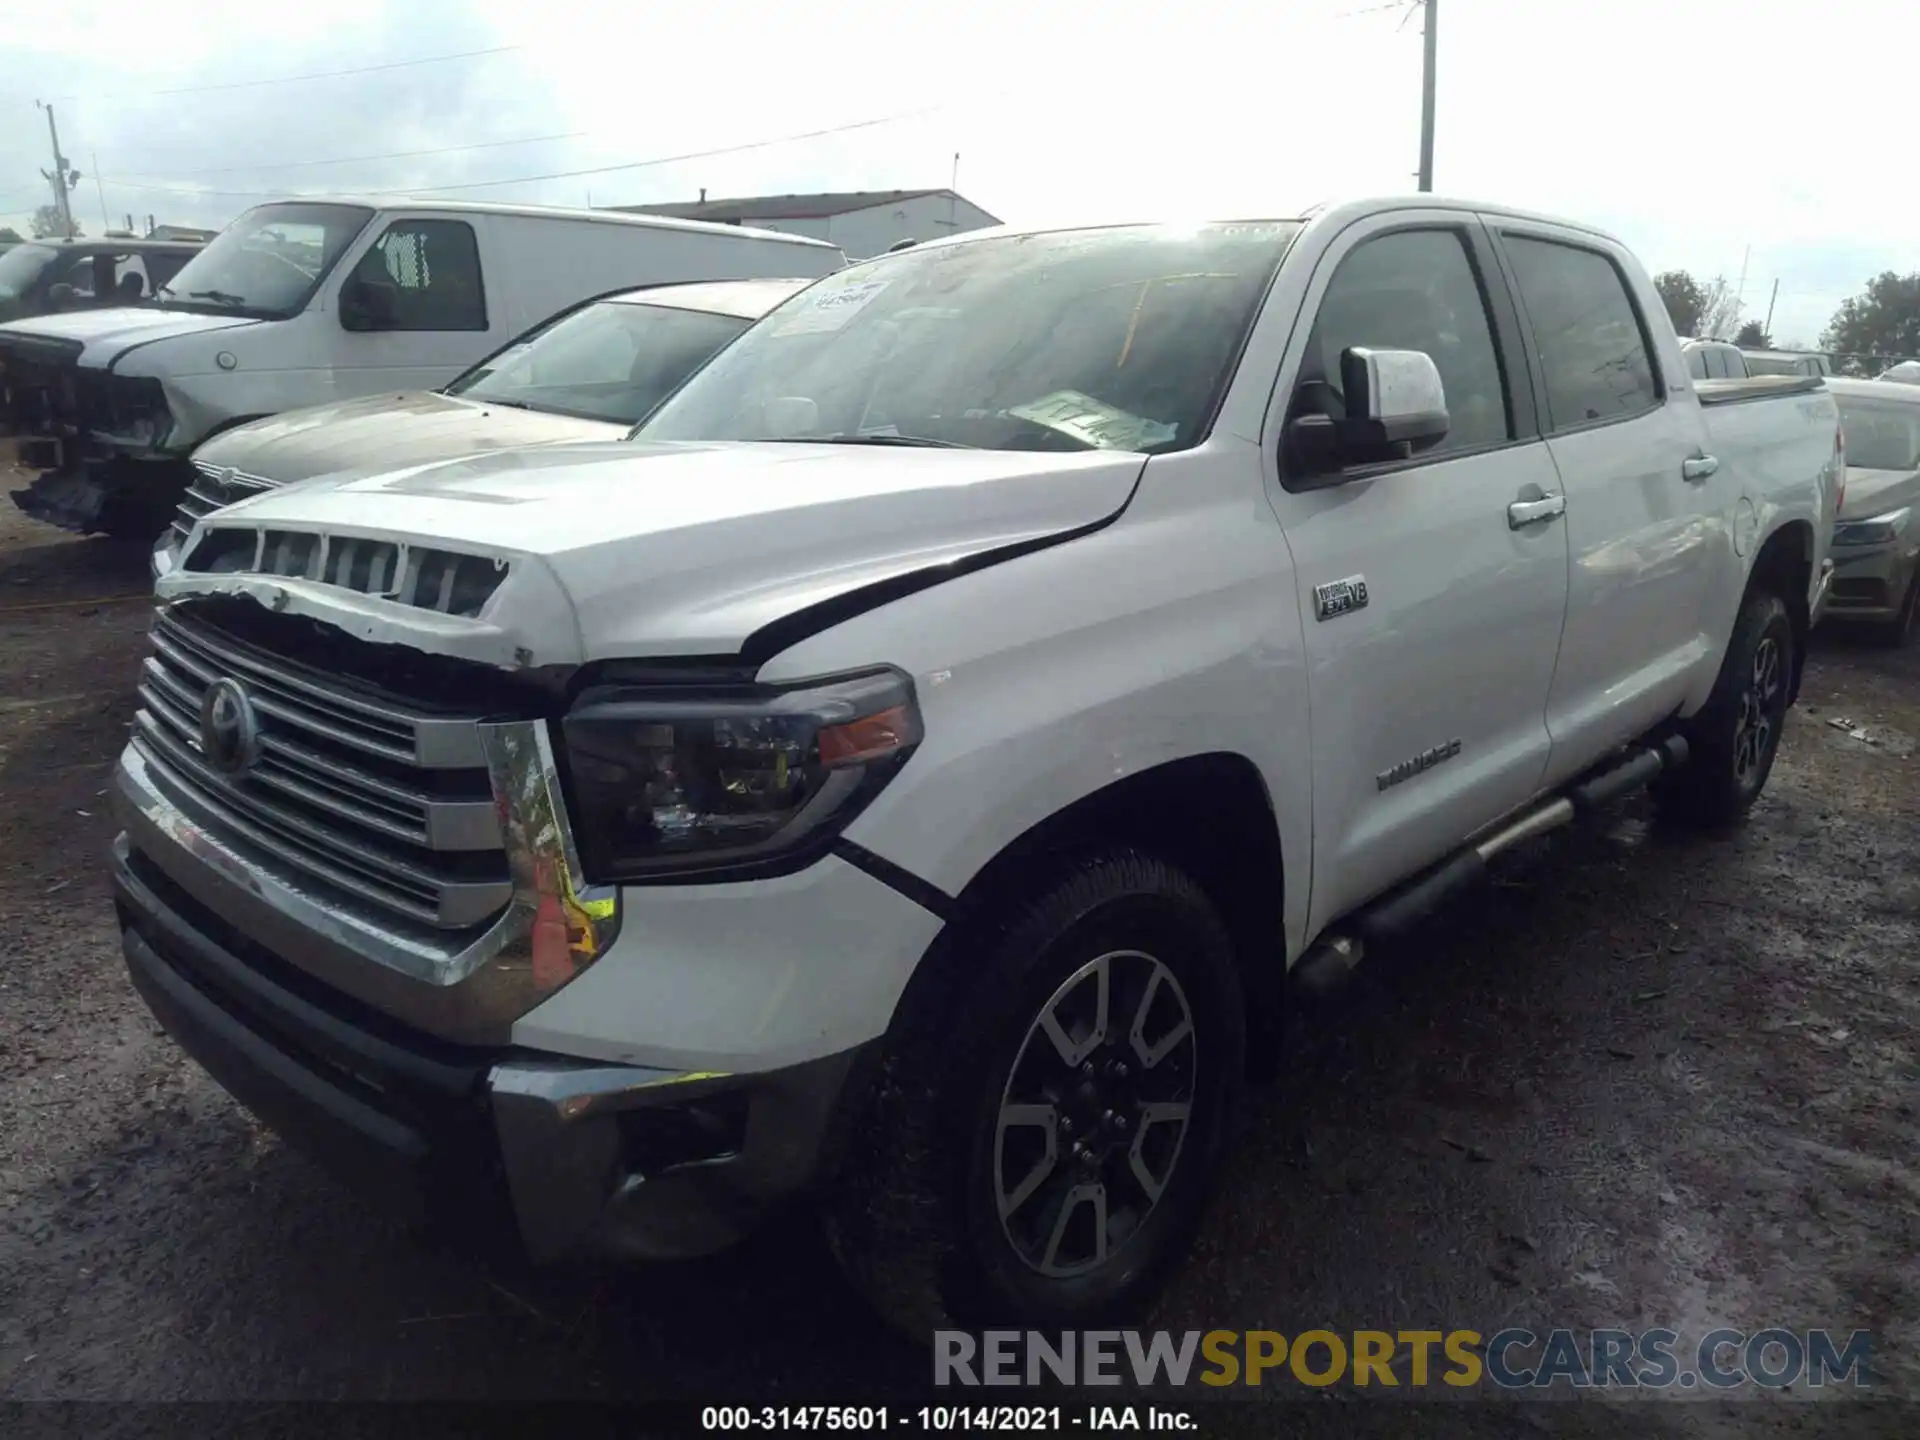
column 1881, row 434
column 606, row 361
column 20, row 266
column 1113, row 339
column 269, row 262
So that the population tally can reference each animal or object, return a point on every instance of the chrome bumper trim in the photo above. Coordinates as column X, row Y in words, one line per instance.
column 469, row 988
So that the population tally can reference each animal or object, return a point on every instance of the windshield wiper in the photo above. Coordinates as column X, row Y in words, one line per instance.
column 922, row 442
column 160, row 290
column 219, row 297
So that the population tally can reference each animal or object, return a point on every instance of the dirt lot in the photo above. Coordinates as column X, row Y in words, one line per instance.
column 1641, row 1080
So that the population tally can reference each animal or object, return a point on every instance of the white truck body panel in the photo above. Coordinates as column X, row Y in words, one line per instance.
column 1182, row 625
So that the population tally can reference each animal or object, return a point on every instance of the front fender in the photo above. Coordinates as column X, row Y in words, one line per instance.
column 1173, row 633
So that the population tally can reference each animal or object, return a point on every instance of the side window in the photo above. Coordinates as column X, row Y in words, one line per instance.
column 431, row 268
column 1413, row 290
column 80, row 275
column 1697, row 363
column 161, row 268
column 130, row 279
column 1593, row 350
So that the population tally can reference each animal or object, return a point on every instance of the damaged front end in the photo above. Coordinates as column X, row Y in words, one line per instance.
column 99, row 440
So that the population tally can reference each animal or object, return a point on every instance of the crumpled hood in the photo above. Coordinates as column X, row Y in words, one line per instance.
column 387, row 431
column 108, row 334
column 625, row 549
column 1874, row 492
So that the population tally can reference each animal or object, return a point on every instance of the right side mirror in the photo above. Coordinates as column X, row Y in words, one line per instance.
column 1395, row 407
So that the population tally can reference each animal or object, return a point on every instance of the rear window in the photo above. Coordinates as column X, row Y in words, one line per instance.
column 1881, row 434
column 1593, row 351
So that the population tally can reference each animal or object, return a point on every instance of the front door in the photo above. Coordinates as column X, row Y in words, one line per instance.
column 421, row 298
column 1432, row 589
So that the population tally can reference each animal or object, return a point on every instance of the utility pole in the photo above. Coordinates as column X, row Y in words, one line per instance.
column 1430, row 34
column 100, row 185
column 1767, row 329
column 61, row 177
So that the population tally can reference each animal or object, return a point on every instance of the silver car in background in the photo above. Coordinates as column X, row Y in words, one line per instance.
column 589, row 373
column 1876, row 542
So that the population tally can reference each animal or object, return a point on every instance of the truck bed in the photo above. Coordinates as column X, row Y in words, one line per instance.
column 1756, row 387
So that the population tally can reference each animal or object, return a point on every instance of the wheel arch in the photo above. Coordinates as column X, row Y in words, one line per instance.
column 1209, row 814
column 1783, row 565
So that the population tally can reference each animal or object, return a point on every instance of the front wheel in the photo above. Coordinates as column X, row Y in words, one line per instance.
column 1046, row 1130
column 1732, row 742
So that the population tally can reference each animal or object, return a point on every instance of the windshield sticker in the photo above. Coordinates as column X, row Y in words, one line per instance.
column 821, row 313
column 1085, row 418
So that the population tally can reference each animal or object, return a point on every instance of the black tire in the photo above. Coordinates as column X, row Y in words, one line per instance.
column 1733, row 740
column 916, row 1216
column 1898, row 632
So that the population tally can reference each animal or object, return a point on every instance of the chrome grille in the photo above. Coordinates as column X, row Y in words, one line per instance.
column 386, row 806
column 214, row 487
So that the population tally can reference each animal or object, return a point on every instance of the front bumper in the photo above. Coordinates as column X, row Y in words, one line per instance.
column 1870, row 581
column 569, row 1157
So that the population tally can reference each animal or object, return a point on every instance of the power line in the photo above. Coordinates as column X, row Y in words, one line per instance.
column 292, row 79
column 365, row 159
column 554, row 175
column 676, row 159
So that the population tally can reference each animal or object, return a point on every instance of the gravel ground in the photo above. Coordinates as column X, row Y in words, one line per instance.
column 1642, row 1079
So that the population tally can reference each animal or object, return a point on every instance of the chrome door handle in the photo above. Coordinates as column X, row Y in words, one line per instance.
column 1522, row 513
column 1699, row 467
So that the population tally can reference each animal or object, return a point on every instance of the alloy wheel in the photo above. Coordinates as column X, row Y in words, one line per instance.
column 1757, row 720
column 1095, row 1113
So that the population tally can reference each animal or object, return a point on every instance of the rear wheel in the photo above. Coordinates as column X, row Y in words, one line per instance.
column 1732, row 742
column 1045, row 1133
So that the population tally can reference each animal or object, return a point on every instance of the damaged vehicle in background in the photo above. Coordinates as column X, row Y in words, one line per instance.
column 1876, row 543
column 45, row 277
column 589, row 373
column 301, row 303
column 904, row 775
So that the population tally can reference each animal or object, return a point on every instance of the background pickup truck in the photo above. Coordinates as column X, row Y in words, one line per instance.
column 905, row 775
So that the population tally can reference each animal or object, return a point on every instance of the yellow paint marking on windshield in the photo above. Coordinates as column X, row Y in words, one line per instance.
column 1133, row 324
column 1133, row 321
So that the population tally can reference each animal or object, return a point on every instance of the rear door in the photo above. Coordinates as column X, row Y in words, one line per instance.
column 1431, row 617
column 439, row 317
column 1643, row 497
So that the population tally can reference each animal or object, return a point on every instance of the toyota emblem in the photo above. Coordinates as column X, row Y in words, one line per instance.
column 229, row 728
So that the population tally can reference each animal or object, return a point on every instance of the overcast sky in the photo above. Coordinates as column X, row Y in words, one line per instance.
column 1708, row 134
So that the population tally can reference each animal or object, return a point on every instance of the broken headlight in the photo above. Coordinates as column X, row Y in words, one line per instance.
column 1875, row 530
column 667, row 783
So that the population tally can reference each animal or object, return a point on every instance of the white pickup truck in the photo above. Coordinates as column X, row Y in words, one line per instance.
column 903, row 777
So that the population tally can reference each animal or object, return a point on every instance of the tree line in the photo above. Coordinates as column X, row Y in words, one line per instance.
column 1872, row 330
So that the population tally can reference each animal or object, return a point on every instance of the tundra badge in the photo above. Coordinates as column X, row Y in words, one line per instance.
column 1339, row 596
column 1418, row 765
